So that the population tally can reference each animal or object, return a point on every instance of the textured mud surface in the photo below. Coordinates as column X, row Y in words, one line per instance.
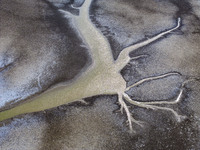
column 36, row 42
column 40, row 49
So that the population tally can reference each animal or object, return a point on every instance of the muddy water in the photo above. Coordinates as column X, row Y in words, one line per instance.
column 100, row 78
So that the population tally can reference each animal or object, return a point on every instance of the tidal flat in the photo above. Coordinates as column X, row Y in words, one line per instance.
column 41, row 49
